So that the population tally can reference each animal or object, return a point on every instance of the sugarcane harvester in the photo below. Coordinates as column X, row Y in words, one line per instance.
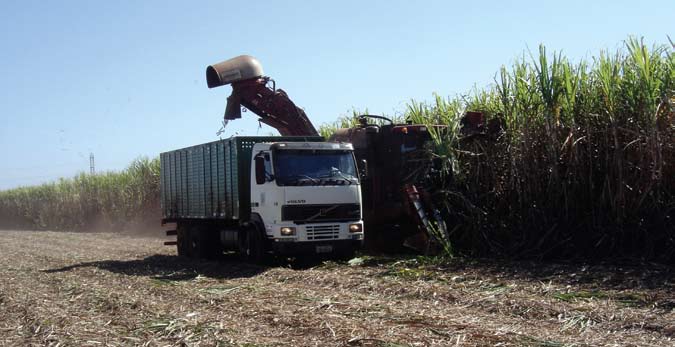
column 402, row 173
column 396, row 176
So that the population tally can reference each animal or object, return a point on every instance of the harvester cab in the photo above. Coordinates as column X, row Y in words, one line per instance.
column 473, row 124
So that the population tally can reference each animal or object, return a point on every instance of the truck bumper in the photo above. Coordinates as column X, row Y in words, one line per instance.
column 334, row 247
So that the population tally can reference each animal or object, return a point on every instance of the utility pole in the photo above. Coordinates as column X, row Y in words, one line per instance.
column 92, row 169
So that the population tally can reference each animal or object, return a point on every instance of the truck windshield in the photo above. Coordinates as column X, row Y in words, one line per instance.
column 314, row 167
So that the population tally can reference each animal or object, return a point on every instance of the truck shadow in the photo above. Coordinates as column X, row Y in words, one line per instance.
column 173, row 268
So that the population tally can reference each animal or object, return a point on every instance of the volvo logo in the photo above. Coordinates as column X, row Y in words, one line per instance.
column 323, row 212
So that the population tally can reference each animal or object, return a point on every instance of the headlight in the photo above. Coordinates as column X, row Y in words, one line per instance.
column 355, row 228
column 287, row 231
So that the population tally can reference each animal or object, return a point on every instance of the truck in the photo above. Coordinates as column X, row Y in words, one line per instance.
column 262, row 195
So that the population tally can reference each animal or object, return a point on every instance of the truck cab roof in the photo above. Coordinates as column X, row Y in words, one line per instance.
column 305, row 145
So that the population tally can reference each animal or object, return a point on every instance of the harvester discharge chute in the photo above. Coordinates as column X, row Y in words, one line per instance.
column 250, row 88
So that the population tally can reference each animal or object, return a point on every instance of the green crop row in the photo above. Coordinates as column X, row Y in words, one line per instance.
column 109, row 201
column 581, row 161
column 584, row 163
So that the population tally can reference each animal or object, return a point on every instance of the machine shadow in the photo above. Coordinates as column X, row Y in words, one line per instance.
column 174, row 268
column 619, row 275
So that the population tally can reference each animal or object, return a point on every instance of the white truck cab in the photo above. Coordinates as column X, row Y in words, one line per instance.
column 307, row 196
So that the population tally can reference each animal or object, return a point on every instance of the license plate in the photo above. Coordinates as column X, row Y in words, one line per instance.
column 324, row 249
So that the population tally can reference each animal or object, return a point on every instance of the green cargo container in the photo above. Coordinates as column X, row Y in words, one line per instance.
column 211, row 180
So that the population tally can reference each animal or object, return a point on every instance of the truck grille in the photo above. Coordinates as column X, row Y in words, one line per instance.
column 323, row 232
column 346, row 212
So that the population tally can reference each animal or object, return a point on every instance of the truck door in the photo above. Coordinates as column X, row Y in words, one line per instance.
column 266, row 196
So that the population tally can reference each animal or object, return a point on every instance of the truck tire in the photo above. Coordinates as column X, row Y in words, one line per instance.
column 182, row 240
column 195, row 248
column 252, row 245
column 204, row 243
column 212, row 247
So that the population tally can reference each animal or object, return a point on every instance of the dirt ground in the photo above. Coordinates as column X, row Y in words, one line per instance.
column 86, row 289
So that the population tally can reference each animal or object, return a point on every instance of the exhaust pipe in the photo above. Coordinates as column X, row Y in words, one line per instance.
column 233, row 70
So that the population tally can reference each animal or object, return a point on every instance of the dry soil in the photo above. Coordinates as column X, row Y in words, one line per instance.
column 103, row 289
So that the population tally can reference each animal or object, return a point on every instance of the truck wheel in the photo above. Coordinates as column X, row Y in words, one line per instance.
column 212, row 247
column 204, row 243
column 252, row 245
column 194, row 242
column 182, row 240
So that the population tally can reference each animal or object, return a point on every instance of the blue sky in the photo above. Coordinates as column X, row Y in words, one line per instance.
column 124, row 79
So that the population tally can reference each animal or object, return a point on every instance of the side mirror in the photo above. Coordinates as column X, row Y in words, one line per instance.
column 259, row 169
column 363, row 169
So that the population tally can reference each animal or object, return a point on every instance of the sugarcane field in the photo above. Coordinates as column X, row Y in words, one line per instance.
column 337, row 174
